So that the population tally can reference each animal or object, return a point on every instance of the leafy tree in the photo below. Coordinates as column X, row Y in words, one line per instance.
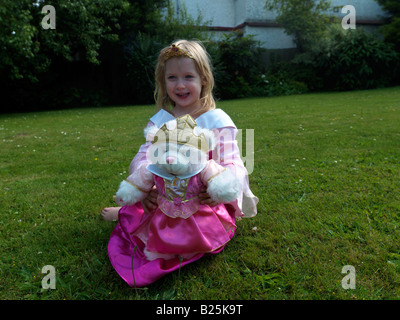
column 140, row 16
column 304, row 19
column 391, row 30
column 238, row 65
column 81, row 62
column 81, row 26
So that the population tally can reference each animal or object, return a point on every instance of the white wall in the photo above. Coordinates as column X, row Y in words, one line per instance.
column 220, row 12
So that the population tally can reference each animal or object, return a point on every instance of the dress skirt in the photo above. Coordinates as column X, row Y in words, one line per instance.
column 205, row 232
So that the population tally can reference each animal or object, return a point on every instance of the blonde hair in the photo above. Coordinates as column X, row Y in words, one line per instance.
column 203, row 66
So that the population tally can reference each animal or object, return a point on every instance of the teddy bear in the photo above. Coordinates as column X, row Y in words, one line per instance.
column 180, row 167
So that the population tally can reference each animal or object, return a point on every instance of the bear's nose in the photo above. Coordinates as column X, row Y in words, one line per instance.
column 170, row 160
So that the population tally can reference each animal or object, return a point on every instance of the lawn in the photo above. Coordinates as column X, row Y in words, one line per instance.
column 326, row 170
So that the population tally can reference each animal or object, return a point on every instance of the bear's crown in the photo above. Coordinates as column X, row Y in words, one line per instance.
column 183, row 134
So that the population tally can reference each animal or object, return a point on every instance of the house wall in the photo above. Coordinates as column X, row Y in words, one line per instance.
column 252, row 17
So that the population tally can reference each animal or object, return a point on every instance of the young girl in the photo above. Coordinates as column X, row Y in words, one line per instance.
column 184, row 84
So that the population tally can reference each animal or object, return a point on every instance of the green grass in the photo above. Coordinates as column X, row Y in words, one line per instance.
column 326, row 172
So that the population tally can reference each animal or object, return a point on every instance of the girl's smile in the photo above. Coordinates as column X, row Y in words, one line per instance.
column 182, row 95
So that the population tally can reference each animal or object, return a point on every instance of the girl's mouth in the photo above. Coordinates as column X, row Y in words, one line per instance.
column 183, row 95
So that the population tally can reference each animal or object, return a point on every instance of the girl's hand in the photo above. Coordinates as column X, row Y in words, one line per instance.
column 205, row 198
column 150, row 202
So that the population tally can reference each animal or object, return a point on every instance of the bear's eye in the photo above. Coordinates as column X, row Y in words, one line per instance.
column 185, row 151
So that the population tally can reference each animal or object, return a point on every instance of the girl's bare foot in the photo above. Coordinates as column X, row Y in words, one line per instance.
column 110, row 213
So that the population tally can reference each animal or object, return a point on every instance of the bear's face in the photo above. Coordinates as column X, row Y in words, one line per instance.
column 177, row 159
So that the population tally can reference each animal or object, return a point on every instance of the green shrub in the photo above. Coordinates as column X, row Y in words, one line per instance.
column 280, row 84
column 238, row 65
column 350, row 59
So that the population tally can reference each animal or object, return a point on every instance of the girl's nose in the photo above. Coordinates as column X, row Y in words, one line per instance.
column 180, row 84
column 170, row 160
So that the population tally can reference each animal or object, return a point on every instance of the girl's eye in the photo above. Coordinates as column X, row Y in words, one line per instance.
column 189, row 77
column 171, row 77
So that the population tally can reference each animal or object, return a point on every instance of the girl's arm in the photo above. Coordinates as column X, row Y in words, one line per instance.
column 139, row 163
column 227, row 154
column 141, row 158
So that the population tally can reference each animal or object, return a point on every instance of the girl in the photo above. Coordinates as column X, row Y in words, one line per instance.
column 184, row 84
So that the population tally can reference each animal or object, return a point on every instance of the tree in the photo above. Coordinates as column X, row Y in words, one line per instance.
column 304, row 19
column 140, row 16
column 391, row 30
column 82, row 25
column 79, row 63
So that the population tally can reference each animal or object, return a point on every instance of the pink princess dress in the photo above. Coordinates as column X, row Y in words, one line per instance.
column 180, row 228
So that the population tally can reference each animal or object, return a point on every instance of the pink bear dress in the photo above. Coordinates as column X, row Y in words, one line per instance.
column 180, row 225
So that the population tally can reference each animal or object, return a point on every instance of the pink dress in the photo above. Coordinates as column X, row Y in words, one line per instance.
column 179, row 225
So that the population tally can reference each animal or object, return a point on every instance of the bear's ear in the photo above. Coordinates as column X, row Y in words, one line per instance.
column 150, row 132
column 209, row 135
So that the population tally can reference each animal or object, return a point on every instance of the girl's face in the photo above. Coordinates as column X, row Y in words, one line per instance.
column 183, row 84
